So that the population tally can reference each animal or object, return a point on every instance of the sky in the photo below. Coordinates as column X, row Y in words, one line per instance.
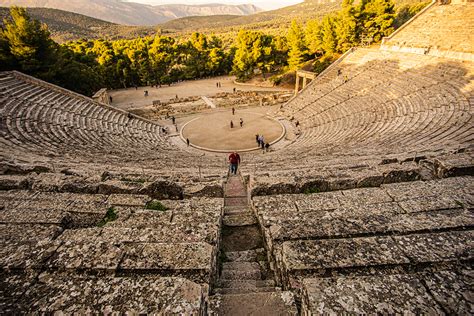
column 263, row 4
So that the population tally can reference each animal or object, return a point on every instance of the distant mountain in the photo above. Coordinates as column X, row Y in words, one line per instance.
column 67, row 26
column 130, row 13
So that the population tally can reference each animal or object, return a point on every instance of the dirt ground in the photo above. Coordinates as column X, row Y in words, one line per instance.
column 131, row 98
column 212, row 130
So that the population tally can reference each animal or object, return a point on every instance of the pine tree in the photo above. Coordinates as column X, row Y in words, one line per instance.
column 328, row 35
column 345, row 25
column 297, row 47
column 313, row 37
column 377, row 18
column 29, row 44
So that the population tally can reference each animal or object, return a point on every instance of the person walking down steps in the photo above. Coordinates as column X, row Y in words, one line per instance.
column 234, row 160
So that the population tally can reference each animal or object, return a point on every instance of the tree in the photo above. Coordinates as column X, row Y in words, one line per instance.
column 296, row 44
column 328, row 35
column 377, row 18
column 345, row 26
column 313, row 37
column 26, row 44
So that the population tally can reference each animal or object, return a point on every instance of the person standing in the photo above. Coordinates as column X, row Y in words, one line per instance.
column 173, row 119
column 234, row 160
column 267, row 147
column 241, row 122
column 231, row 124
column 187, row 141
column 233, row 111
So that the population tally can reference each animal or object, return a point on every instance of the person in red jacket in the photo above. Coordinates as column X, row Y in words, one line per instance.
column 234, row 160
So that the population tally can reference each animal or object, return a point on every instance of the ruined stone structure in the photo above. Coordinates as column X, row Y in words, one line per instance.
column 306, row 75
column 368, row 210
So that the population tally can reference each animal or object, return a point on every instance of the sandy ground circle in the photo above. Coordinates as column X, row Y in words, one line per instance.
column 213, row 130
column 134, row 98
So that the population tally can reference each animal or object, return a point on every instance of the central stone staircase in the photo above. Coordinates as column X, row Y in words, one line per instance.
column 245, row 285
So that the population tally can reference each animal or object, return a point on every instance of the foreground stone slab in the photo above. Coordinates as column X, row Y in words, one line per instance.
column 86, row 255
column 12, row 287
column 452, row 289
column 191, row 260
column 392, row 294
column 341, row 253
column 56, row 293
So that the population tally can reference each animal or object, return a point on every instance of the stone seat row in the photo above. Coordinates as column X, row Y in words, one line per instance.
column 325, row 243
column 57, row 232
column 424, row 32
column 36, row 117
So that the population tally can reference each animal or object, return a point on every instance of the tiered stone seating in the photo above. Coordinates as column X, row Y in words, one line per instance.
column 441, row 29
column 383, row 107
column 55, row 258
column 384, row 155
column 402, row 248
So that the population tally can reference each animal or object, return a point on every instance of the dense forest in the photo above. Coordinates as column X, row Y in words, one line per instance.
column 85, row 66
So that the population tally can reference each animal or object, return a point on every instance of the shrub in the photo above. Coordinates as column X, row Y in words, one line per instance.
column 156, row 205
column 110, row 216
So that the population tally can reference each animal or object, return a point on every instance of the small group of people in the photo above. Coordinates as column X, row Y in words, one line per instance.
column 261, row 143
column 218, row 85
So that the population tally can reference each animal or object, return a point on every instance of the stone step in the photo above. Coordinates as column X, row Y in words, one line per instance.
column 241, row 266
column 245, row 284
column 246, row 255
column 236, row 201
column 241, row 275
column 243, row 219
column 230, row 210
column 260, row 303
column 244, row 290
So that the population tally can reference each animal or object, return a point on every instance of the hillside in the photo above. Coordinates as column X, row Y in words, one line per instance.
column 268, row 21
column 66, row 26
column 129, row 13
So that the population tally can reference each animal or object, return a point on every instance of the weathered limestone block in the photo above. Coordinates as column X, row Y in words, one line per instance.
column 86, row 255
column 194, row 261
column 35, row 216
column 437, row 247
column 14, row 182
column 274, row 185
column 340, row 253
column 391, row 294
column 14, row 168
column 142, row 219
column 341, row 222
column 168, row 227
column 79, row 185
column 209, row 189
column 452, row 290
column 405, row 172
column 454, row 165
column 12, row 287
column 163, row 190
column 26, row 254
column 428, row 203
column 128, row 200
column 57, row 293
column 47, row 182
column 432, row 220
column 119, row 187
column 13, row 233
column 363, row 196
